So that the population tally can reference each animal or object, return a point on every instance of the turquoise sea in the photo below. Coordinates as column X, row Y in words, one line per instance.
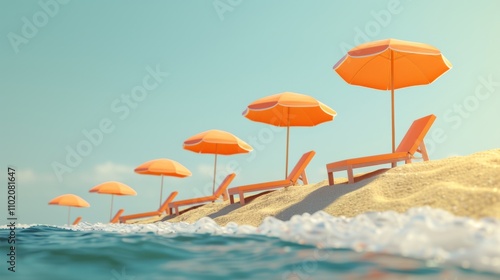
column 423, row 243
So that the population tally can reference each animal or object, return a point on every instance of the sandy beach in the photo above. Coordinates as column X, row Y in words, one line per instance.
column 462, row 185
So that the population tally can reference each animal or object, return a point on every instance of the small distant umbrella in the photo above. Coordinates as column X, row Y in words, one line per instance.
column 289, row 109
column 113, row 188
column 163, row 167
column 69, row 200
column 216, row 142
column 392, row 64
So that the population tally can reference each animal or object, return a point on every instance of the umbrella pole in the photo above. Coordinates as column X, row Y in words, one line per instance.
column 69, row 211
column 111, row 209
column 161, row 189
column 215, row 168
column 287, row 139
column 392, row 103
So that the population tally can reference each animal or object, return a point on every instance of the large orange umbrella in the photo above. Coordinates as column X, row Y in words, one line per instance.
column 216, row 142
column 289, row 109
column 69, row 200
column 113, row 188
column 392, row 64
column 163, row 167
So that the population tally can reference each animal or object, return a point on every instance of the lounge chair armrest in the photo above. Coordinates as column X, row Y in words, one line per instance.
column 140, row 215
column 261, row 186
column 192, row 201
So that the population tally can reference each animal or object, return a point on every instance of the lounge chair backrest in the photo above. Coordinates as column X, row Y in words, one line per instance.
column 300, row 166
column 169, row 199
column 415, row 135
column 116, row 218
column 223, row 186
column 77, row 220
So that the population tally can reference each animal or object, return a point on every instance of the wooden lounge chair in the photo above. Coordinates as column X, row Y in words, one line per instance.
column 412, row 142
column 163, row 209
column 299, row 172
column 77, row 220
column 221, row 191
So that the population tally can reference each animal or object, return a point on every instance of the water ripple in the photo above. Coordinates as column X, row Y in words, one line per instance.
column 423, row 243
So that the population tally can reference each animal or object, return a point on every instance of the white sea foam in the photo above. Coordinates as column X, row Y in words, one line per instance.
column 423, row 233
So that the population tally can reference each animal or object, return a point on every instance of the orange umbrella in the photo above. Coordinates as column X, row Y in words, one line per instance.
column 216, row 142
column 163, row 167
column 289, row 109
column 392, row 64
column 113, row 188
column 69, row 200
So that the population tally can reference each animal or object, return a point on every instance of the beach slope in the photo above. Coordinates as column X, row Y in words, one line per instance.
column 463, row 185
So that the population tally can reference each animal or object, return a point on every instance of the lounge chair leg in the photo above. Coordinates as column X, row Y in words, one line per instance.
column 303, row 177
column 423, row 151
column 242, row 199
column 331, row 181
column 231, row 199
column 350, row 175
column 224, row 196
column 177, row 210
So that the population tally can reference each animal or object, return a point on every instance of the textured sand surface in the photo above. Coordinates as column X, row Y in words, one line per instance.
column 465, row 186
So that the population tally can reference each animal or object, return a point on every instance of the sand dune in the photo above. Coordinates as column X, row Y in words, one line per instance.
column 465, row 186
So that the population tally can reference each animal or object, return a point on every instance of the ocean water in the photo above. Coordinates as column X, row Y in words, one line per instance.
column 423, row 243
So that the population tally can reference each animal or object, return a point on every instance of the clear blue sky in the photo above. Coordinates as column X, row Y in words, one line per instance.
column 70, row 68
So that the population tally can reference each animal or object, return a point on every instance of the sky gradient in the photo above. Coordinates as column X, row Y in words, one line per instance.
column 92, row 89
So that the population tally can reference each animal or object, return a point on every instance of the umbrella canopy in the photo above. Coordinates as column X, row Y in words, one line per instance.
column 163, row 167
column 113, row 188
column 69, row 200
column 216, row 142
column 289, row 109
column 392, row 64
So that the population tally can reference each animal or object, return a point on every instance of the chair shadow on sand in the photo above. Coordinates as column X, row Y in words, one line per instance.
column 231, row 207
column 214, row 215
column 227, row 209
column 313, row 202
column 326, row 195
